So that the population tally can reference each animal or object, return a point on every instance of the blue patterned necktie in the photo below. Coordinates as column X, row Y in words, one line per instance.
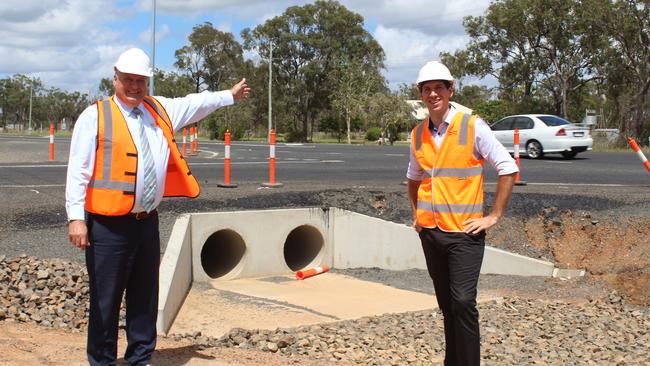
column 149, row 181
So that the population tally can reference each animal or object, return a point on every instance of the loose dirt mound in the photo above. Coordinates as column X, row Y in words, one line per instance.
column 611, row 248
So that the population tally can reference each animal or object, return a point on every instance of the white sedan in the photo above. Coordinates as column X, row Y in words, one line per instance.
column 541, row 134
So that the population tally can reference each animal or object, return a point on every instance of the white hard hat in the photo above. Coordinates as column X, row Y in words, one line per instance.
column 433, row 70
column 134, row 61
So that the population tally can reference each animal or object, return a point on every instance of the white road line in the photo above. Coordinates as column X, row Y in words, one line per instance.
column 266, row 162
column 34, row 166
column 287, row 161
column 579, row 184
column 214, row 154
column 32, row 185
column 400, row 155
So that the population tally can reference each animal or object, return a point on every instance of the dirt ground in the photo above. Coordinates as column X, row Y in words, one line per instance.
column 29, row 344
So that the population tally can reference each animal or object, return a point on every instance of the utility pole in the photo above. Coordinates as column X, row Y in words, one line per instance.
column 270, row 85
column 31, row 87
column 153, row 46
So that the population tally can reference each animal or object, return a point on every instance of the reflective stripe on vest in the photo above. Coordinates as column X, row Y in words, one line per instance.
column 107, row 161
column 456, row 172
column 450, row 208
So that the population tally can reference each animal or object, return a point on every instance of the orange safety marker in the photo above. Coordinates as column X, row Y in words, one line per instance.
column 518, row 182
column 192, row 141
column 196, row 139
column 226, row 166
column 272, row 183
column 639, row 153
column 184, row 142
column 51, row 141
column 301, row 275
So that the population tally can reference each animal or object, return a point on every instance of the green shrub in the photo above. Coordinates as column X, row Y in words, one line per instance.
column 373, row 134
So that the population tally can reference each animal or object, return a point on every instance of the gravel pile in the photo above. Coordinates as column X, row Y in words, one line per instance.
column 51, row 293
column 515, row 331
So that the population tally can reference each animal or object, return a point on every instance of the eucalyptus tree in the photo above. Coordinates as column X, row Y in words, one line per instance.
column 211, row 58
column 308, row 42
column 626, row 62
column 544, row 48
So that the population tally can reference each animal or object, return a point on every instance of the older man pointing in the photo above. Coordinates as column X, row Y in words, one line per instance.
column 123, row 161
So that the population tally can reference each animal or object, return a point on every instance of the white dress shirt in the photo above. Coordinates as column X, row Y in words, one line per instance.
column 181, row 111
column 486, row 146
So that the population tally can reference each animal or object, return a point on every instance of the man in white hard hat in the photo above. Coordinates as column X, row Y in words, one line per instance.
column 445, row 189
column 123, row 161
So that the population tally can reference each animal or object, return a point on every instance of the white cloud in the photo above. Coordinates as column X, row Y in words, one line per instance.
column 407, row 50
column 161, row 32
column 72, row 44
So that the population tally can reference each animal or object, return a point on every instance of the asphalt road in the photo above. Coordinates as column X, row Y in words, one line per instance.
column 25, row 161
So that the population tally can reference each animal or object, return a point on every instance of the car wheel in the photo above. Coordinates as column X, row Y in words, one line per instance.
column 569, row 154
column 534, row 150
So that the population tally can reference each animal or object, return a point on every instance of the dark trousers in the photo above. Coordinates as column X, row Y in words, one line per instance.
column 124, row 256
column 454, row 263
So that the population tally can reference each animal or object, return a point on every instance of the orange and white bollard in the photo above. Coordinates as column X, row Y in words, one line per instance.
column 226, row 164
column 518, row 181
column 272, row 183
column 306, row 273
column 184, row 142
column 639, row 153
column 196, row 139
column 192, row 141
column 51, row 141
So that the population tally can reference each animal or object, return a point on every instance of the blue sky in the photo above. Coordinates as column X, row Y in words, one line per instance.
column 72, row 44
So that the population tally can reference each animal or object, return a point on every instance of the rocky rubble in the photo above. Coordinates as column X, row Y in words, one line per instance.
column 50, row 293
column 515, row 331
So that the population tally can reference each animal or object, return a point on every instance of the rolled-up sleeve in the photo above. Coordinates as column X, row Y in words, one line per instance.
column 492, row 150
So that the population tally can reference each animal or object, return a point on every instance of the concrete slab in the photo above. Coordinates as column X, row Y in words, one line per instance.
column 282, row 301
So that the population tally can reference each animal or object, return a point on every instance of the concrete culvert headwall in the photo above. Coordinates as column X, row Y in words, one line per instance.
column 302, row 246
column 221, row 253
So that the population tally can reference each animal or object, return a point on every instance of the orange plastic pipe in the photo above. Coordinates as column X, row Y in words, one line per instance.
column 301, row 275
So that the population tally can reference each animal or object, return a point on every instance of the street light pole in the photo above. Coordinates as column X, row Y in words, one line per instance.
column 153, row 46
column 270, row 86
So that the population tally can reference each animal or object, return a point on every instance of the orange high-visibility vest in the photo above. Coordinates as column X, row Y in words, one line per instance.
column 452, row 191
column 111, row 190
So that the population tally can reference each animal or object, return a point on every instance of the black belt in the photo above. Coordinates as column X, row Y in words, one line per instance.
column 142, row 215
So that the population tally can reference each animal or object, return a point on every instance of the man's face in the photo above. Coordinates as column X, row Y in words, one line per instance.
column 130, row 88
column 435, row 94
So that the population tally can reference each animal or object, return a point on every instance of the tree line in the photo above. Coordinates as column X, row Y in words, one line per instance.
column 546, row 56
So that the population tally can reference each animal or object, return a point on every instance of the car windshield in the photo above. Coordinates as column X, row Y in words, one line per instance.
column 553, row 121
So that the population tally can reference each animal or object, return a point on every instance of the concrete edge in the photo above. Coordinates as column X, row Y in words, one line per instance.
column 175, row 273
column 568, row 273
column 499, row 261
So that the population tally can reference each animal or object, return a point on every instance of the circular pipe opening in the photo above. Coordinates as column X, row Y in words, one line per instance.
column 302, row 246
column 221, row 253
